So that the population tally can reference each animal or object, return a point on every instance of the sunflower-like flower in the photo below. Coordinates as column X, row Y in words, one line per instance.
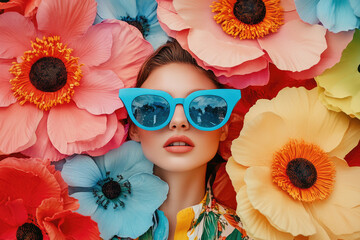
column 339, row 86
column 289, row 173
column 238, row 38
column 59, row 80
column 25, row 7
column 117, row 190
column 334, row 15
column 34, row 203
column 139, row 13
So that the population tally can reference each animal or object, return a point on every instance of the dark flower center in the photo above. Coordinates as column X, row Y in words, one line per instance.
column 359, row 68
column 301, row 172
column 250, row 11
column 29, row 231
column 48, row 74
column 4, row 0
column 111, row 189
column 140, row 22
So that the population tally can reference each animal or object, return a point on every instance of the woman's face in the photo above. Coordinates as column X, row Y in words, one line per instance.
column 179, row 80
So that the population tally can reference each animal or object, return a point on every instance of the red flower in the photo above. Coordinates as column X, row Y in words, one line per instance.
column 27, row 8
column 34, row 202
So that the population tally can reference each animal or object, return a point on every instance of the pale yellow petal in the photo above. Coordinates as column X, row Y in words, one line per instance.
column 321, row 233
column 259, row 139
column 256, row 224
column 236, row 173
column 280, row 209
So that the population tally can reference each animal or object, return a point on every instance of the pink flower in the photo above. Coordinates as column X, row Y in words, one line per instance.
column 59, row 80
column 239, row 51
column 25, row 7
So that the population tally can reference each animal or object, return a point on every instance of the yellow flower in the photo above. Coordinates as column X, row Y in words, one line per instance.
column 288, row 170
column 339, row 86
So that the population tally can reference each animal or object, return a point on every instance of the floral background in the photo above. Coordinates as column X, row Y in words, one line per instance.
column 292, row 155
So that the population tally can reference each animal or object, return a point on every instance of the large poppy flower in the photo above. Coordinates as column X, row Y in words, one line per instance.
column 238, row 39
column 334, row 15
column 289, row 173
column 59, row 79
column 34, row 203
column 25, row 7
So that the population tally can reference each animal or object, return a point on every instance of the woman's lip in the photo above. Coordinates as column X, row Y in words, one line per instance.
column 182, row 138
column 178, row 149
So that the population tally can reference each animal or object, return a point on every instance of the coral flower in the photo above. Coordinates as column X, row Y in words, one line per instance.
column 139, row 13
column 334, row 15
column 117, row 190
column 339, row 86
column 289, row 173
column 59, row 80
column 34, row 204
column 237, row 39
column 25, row 7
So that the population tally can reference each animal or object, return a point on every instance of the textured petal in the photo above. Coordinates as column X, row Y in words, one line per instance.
column 16, row 34
column 166, row 14
column 157, row 36
column 113, row 9
column 75, row 125
column 275, row 204
column 129, row 51
column 236, row 173
column 356, row 7
column 94, row 47
column 267, row 133
column 259, row 78
column 13, row 213
column 307, row 10
column 256, row 224
column 337, row 15
column 87, row 201
column 17, row 125
column 66, row 18
column 81, row 171
column 302, row 49
column 43, row 147
column 6, row 94
column 98, row 92
column 127, row 160
column 222, row 188
column 109, row 221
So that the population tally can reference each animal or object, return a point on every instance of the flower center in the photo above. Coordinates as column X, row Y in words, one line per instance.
column 304, row 171
column 47, row 74
column 250, row 11
column 140, row 22
column 29, row 231
column 111, row 189
column 301, row 172
column 359, row 68
column 4, row 0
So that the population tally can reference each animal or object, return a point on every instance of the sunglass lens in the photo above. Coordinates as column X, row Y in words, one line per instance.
column 150, row 110
column 208, row 110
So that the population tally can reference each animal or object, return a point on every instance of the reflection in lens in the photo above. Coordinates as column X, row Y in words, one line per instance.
column 150, row 110
column 208, row 111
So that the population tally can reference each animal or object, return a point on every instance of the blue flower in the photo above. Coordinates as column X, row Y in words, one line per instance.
column 335, row 15
column 139, row 13
column 117, row 190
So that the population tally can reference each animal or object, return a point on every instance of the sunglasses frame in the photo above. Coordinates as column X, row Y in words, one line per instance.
column 231, row 97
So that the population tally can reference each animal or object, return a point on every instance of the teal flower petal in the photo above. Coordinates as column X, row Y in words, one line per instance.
column 87, row 202
column 81, row 171
column 308, row 11
column 355, row 4
column 161, row 229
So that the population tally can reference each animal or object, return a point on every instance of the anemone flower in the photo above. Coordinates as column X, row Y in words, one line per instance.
column 117, row 190
column 238, row 39
column 139, row 13
column 339, row 86
column 298, row 184
column 334, row 15
column 59, row 79
column 34, row 204
column 25, row 7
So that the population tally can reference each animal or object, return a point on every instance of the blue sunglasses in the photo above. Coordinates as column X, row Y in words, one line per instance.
column 206, row 110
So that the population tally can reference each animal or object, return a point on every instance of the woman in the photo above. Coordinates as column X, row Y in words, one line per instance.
column 181, row 136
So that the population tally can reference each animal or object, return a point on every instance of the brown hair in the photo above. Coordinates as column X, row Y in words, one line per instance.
column 171, row 52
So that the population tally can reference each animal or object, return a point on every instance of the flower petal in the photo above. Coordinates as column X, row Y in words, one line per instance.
column 236, row 173
column 75, row 125
column 94, row 47
column 260, row 78
column 13, row 213
column 307, row 10
column 98, row 92
column 6, row 94
column 275, row 204
column 337, row 15
column 127, row 160
column 256, row 224
column 87, row 201
column 18, row 125
column 113, row 9
column 16, row 34
column 109, row 221
column 356, row 6
column 66, row 18
column 302, row 49
column 81, row 171
column 166, row 14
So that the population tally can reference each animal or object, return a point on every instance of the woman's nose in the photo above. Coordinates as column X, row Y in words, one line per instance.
column 179, row 120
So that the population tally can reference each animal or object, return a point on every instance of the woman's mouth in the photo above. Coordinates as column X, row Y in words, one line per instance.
column 179, row 144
